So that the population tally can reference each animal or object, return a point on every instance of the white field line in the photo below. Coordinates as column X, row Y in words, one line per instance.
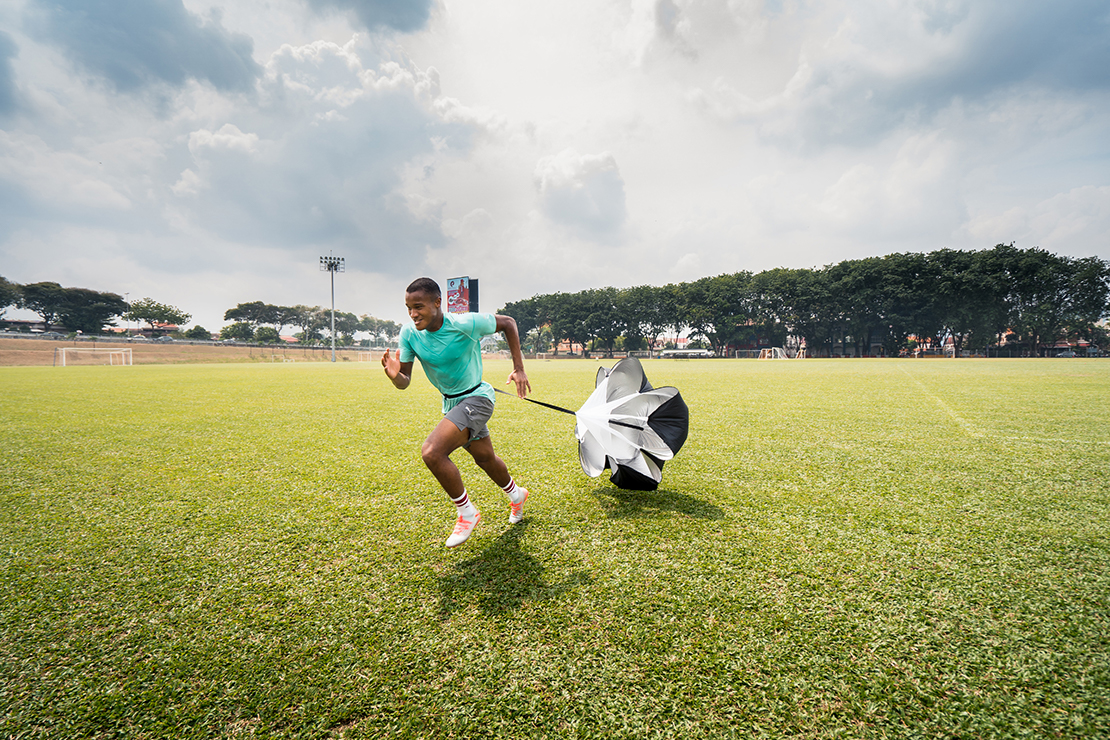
column 972, row 431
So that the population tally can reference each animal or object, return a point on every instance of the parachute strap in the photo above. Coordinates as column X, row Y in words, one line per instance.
column 567, row 411
column 538, row 403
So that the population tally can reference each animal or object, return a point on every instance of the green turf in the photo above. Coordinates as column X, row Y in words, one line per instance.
column 852, row 548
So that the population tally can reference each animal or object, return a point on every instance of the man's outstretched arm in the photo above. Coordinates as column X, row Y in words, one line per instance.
column 400, row 373
column 507, row 325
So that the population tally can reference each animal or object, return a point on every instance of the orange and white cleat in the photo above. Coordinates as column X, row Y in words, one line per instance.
column 516, row 511
column 463, row 528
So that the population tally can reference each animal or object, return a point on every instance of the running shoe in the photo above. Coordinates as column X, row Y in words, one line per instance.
column 516, row 511
column 463, row 528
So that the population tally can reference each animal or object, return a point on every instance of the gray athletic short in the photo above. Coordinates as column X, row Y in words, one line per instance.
column 472, row 413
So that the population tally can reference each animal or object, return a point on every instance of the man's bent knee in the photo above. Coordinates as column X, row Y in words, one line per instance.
column 430, row 455
column 443, row 440
column 434, row 452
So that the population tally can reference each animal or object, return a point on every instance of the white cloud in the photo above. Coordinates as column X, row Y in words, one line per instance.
column 8, row 90
column 136, row 44
column 402, row 15
column 229, row 137
column 188, row 184
column 1075, row 222
column 326, row 158
column 687, row 267
column 475, row 224
column 68, row 181
column 583, row 192
column 913, row 193
column 547, row 147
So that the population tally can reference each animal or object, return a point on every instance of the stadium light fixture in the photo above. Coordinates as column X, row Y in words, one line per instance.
column 332, row 265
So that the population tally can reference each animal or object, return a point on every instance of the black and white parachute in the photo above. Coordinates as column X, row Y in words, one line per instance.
column 629, row 427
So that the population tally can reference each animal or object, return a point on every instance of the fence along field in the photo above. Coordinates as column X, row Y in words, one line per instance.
column 887, row 548
column 28, row 352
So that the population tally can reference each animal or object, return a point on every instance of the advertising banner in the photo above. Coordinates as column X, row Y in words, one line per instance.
column 458, row 295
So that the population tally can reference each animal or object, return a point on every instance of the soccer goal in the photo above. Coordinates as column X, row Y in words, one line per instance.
column 365, row 356
column 773, row 353
column 66, row 356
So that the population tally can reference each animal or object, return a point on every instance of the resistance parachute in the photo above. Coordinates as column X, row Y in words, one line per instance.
column 629, row 427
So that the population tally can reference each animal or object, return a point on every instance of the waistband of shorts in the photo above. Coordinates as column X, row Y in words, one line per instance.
column 464, row 393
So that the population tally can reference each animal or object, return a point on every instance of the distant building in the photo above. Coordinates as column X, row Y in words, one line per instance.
column 31, row 327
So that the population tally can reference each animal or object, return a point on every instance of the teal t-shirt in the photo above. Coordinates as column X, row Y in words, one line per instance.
column 452, row 355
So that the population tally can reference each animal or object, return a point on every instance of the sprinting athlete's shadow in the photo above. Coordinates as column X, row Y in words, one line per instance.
column 501, row 578
column 620, row 504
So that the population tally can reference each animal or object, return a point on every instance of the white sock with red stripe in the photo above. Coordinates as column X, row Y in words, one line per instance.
column 513, row 491
column 464, row 506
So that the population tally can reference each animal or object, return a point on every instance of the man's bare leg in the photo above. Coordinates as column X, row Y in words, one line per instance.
column 488, row 460
column 436, row 452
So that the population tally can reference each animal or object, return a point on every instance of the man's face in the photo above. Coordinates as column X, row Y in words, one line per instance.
column 423, row 309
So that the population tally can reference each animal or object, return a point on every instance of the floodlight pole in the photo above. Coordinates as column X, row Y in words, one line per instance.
column 332, row 265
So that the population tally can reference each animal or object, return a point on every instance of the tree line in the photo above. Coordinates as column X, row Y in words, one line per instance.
column 84, row 310
column 89, row 311
column 1026, row 298
column 264, row 322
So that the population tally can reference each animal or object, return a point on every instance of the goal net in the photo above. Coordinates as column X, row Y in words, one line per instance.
column 66, row 356
column 365, row 356
column 773, row 353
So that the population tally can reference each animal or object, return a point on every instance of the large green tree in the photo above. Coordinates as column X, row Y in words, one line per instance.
column 796, row 300
column 267, row 335
column 77, row 309
column 257, row 313
column 1051, row 296
column 240, row 331
column 1088, row 299
column 346, row 324
column 154, row 313
column 379, row 328
column 964, row 298
column 283, row 316
column 198, row 332
column 9, row 294
column 568, row 313
column 89, row 311
column 254, row 313
column 639, row 308
column 46, row 299
column 310, row 320
column 718, row 309
column 602, row 321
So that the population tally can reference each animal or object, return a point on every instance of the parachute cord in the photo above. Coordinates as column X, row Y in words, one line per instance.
column 539, row 403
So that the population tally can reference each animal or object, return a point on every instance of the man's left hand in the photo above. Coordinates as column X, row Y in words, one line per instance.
column 523, row 387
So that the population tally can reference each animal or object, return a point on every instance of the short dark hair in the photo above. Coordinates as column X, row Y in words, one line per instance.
column 424, row 285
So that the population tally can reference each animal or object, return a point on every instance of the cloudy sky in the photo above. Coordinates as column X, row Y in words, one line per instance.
column 208, row 153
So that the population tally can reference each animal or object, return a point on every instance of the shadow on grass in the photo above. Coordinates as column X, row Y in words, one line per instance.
column 501, row 579
column 621, row 504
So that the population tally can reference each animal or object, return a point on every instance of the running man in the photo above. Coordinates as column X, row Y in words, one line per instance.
column 448, row 346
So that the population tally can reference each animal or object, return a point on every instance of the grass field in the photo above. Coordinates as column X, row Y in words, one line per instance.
column 843, row 549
